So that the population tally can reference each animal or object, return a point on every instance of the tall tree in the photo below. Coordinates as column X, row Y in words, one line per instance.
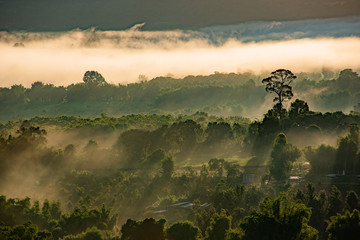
column 282, row 157
column 279, row 83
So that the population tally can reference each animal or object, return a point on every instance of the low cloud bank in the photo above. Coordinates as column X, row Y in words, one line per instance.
column 62, row 58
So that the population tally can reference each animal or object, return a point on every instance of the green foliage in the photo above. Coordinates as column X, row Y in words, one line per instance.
column 346, row 155
column 93, row 78
column 282, row 157
column 297, row 108
column 217, row 165
column 13, row 212
column 220, row 224
column 137, row 176
column 148, row 229
column 220, row 94
column 26, row 231
column 278, row 218
column 82, row 218
column 344, row 226
column 92, row 234
column 321, row 159
column 183, row 230
column 352, row 201
column 336, row 203
column 229, row 93
column 167, row 167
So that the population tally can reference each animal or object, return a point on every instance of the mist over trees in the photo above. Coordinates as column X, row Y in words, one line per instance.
column 172, row 170
column 219, row 94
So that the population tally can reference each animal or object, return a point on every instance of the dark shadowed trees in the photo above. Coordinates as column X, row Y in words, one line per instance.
column 148, row 229
column 335, row 201
column 298, row 107
column 321, row 159
column 282, row 157
column 167, row 167
column 280, row 219
column 183, row 230
column 352, row 201
column 220, row 224
column 346, row 155
column 344, row 226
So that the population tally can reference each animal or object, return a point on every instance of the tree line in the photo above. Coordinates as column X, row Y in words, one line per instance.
column 294, row 214
column 196, row 171
column 219, row 93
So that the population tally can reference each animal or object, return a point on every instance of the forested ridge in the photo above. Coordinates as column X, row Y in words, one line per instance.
column 220, row 94
column 179, row 159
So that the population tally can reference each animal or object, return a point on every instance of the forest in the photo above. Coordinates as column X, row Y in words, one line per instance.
column 202, row 157
column 222, row 94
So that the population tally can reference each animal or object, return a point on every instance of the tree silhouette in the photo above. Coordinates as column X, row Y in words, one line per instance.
column 94, row 78
column 278, row 82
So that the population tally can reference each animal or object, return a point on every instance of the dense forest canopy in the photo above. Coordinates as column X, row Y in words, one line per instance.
column 225, row 94
column 182, row 158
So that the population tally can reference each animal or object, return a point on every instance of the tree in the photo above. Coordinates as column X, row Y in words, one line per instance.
column 148, row 229
column 346, row 155
column 352, row 201
column 94, row 78
column 26, row 231
column 321, row 159
column 298, row 107
column 280, row 219
column 183, row 230
column 219, row 226
column 344, row 226
column 282, row 157
column 167, row 167
column 217, row 165
column 348, row 80
column 335, row 201
column 278, row 82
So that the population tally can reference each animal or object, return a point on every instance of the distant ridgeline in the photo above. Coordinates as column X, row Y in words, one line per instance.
column 218, row 94
column 229, row 176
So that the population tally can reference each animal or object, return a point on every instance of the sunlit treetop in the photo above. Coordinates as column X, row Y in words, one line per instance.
column 94, row 78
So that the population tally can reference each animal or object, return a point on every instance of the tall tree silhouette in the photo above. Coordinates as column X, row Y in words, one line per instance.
column 279, row 83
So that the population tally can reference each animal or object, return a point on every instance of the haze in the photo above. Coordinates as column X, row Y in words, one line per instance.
column 62, row 58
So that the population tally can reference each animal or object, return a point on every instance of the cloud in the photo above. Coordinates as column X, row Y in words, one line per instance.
column 62, row 58
column 276, row 30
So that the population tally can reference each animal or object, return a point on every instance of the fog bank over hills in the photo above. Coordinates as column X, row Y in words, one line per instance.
column 122, row 56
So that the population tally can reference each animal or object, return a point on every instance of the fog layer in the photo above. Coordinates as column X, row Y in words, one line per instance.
column 121, row 56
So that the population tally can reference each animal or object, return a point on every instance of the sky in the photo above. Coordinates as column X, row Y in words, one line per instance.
column 62, row 15
column 58, row 41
